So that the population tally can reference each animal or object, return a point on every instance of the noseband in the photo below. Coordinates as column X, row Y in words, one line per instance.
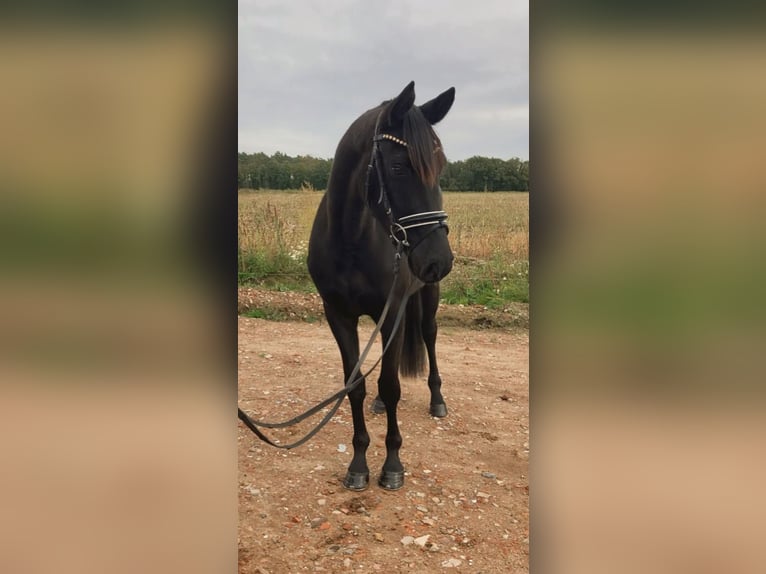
column 398, row 226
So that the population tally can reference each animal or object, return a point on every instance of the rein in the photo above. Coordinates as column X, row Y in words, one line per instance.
column 351, row 383
column 401, row 243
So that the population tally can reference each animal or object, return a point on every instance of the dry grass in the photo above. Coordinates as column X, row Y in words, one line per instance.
column 275, row 222
column 489, row 234
column 489, row 226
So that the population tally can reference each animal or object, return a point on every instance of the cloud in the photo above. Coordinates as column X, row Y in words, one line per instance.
column 308, row 69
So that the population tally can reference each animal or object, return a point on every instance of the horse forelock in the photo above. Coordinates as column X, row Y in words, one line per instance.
column 423, row 144
column 423, row 147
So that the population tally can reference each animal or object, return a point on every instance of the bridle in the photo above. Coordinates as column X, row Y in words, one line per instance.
column 398, row 226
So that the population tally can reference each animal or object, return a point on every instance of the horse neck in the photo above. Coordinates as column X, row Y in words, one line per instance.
column 348, row 214
column 347, row 207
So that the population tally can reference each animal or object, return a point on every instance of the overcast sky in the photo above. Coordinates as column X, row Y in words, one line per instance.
column 308, row 68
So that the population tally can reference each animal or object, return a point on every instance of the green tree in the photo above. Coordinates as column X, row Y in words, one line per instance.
column 281, row 171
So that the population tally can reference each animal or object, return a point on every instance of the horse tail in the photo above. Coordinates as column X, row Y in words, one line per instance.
column 413, row 360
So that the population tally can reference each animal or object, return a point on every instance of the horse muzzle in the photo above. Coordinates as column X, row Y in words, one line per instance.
column 431, row 258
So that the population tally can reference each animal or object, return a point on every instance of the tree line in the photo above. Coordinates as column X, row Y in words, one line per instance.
column 280, row 171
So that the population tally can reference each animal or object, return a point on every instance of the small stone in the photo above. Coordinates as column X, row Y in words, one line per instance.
column 488, row 474
column 378, row 536
column 422, row 509
column 341, row 447
column 321, row 502
column 407, row 540
column 427, row 521
column 451, row 563
column 482, row 494
column 432, row 547
column 347, row 562
column 421, row 540
column 324, row 526
column 317, row 522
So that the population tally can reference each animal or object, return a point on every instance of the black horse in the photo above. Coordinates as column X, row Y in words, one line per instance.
column 383, row 200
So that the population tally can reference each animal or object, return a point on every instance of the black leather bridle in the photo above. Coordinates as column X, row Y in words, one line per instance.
column 398, row 226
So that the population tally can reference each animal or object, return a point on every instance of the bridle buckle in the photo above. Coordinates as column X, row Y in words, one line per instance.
column 394, row 229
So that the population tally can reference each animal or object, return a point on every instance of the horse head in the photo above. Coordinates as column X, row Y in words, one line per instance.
column 403, row 180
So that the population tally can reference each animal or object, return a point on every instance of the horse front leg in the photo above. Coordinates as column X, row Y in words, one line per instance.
column 389, row 391
column 430, row 300
column 344, row 329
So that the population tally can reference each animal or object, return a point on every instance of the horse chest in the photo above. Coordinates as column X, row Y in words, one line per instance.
column 361, row 291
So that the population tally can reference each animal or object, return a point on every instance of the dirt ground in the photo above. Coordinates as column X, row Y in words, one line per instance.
column 464, row 505
column 291, row 305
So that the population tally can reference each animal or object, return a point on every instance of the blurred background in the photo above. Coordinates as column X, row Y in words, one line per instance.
column 117, row 339
column 647, row 249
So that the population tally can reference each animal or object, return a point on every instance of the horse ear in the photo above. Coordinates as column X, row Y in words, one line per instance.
column 435, row 110
column 401, row 104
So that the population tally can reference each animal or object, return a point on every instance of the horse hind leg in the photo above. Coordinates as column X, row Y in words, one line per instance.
column 412, row 357
column 377, row 406
column 344, row 329
column 430, row 300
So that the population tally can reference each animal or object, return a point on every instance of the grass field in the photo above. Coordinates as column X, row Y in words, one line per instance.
column 489, row 234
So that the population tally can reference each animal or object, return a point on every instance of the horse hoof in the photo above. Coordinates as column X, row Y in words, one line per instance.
column 378, row 407
column 439, row 410
column 391, row 480
column 356, row 480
